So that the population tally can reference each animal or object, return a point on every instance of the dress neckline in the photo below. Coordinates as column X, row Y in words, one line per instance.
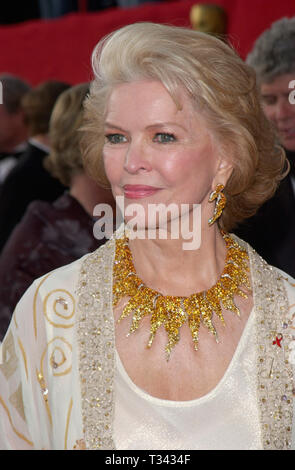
column 187, row 403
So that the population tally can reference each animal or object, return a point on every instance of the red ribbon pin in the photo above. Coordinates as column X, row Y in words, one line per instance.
column 278, row 340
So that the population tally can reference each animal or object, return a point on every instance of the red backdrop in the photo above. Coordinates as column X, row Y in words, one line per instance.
column 60, row 49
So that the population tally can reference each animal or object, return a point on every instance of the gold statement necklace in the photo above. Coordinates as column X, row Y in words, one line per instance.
column 171, row 311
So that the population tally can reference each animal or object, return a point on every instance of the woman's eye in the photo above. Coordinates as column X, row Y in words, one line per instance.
column 115, row 138
column 269, row 99
column 164, row 138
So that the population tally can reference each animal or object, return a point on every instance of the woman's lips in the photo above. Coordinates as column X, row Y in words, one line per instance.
column 137, row 191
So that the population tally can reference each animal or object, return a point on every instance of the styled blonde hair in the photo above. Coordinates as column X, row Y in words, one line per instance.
column 221, row 87
column 65, row 159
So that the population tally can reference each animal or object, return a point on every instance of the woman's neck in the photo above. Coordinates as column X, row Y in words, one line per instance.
column 166, row 267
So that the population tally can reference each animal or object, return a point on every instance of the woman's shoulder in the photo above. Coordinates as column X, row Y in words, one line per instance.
column 265, row 277
column 52, row 300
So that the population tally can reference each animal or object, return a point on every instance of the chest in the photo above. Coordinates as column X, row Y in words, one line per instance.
column 225, row 418
column 188, row 374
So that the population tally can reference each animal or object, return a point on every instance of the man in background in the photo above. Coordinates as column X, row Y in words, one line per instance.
column 272, row 230
column 13, row 128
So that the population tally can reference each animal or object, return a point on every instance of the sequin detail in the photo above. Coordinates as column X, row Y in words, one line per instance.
column 275, row 375
column 97, row 350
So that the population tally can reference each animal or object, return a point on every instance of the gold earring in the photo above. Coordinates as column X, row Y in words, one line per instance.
column 220, row 203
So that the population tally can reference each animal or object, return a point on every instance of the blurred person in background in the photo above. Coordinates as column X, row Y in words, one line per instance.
column 50, row 9
column 29, row 180
column 52, row 235
column 133, row 3
column 17, row 12
column 13, row 128
column 272, row 230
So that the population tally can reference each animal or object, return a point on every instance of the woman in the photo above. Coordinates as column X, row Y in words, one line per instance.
column 116, row 352
column 60, row 232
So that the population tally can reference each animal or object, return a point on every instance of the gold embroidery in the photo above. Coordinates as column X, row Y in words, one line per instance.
column 68, row 422
column 44, row 391
column 55, row 361
column 16, row 399
column 35, row 303
column 80, row 445
column 9, row 357
column 66, row 306
column 58, row 357
column 97, row 357
column 21, row 436
column 24, row 356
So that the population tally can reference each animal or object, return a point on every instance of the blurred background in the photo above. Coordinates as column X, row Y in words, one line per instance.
column 53, row 39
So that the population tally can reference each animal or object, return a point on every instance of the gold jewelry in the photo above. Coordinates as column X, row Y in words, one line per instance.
column 220, row 203
column 172, row 312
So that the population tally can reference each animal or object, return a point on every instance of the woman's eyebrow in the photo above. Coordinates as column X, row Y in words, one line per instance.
column 165, row 124
column 114, row 126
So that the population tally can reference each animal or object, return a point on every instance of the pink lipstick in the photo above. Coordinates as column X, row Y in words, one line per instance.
column 137, row 191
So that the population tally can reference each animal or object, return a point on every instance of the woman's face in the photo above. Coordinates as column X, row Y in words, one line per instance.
column 279, row 109
column 156, row 153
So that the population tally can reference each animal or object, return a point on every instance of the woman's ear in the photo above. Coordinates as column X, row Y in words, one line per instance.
column 225, row 169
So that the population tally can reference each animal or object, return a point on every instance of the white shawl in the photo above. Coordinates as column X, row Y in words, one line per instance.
column 58, row 358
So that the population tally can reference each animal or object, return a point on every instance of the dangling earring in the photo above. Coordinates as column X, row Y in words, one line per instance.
column 220, row 203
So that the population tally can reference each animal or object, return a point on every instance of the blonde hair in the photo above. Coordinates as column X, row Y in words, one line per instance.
column 221, row 87
column 65, row 159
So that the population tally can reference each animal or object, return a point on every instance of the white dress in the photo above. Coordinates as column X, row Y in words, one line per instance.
column 62, row 387
column 207, row 423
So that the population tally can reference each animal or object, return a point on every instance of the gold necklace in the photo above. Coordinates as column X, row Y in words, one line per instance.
column 171, row 311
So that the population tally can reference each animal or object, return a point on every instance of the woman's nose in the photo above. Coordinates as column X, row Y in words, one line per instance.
column 283, row 109
column 137, row 158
